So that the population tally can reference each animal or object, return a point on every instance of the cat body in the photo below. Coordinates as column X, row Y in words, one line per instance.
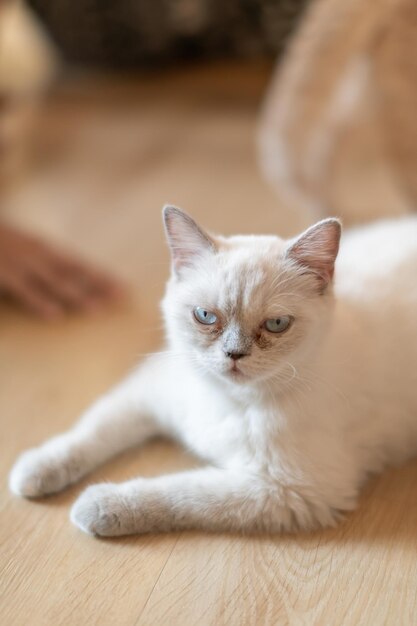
column 291, row 394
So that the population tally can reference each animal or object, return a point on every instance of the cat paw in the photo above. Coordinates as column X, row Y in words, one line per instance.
column 102, row 510
column 38, row 473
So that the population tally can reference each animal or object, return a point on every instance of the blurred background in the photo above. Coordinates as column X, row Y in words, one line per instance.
column 147, row 34
column 109, row 110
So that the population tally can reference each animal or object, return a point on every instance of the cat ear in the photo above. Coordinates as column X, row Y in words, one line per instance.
column 187, row 241
column 316, row 250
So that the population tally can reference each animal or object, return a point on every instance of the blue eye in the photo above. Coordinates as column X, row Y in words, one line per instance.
column 204, row 317
column 278, row 324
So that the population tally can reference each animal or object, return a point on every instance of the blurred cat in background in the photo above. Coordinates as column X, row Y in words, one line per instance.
column 339, row 127
column 28, row 62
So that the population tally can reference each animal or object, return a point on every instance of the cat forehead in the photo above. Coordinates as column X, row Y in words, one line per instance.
column 243, row 271
column 246, row 253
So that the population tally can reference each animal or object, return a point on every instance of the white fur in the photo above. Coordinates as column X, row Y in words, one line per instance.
column 287, row 443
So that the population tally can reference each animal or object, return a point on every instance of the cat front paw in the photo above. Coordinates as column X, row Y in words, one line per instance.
column 102, row 510
column 39, row 472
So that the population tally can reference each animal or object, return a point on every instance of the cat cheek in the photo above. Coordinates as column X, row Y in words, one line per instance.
column 205, row 340
column 263, row 342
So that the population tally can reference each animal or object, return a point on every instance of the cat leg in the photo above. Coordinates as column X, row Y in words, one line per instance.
column 208, row 498
column 114, row 423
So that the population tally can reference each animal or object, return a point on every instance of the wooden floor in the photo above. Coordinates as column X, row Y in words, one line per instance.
column 108, row 155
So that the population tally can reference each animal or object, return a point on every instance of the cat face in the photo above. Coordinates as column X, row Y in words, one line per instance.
column 246, row 308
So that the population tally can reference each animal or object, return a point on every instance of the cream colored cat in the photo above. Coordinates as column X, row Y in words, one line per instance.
column 290, row 394
column 339, row 128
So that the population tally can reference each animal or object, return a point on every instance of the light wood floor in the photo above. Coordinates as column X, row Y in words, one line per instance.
column 108, row 155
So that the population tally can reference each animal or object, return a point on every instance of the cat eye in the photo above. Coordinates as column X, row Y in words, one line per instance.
column 204, row 317
column 278, row 324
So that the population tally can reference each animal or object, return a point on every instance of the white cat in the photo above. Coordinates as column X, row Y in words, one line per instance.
column 291, row 395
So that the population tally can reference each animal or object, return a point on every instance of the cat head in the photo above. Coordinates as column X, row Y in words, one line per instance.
column 248, row 308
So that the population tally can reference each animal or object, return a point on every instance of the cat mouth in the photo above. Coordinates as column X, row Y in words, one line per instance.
column 235, row 372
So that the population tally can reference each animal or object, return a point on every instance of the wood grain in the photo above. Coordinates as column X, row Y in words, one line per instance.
column 109, row 153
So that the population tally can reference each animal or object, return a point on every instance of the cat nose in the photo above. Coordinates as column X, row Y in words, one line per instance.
column 236, row 355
